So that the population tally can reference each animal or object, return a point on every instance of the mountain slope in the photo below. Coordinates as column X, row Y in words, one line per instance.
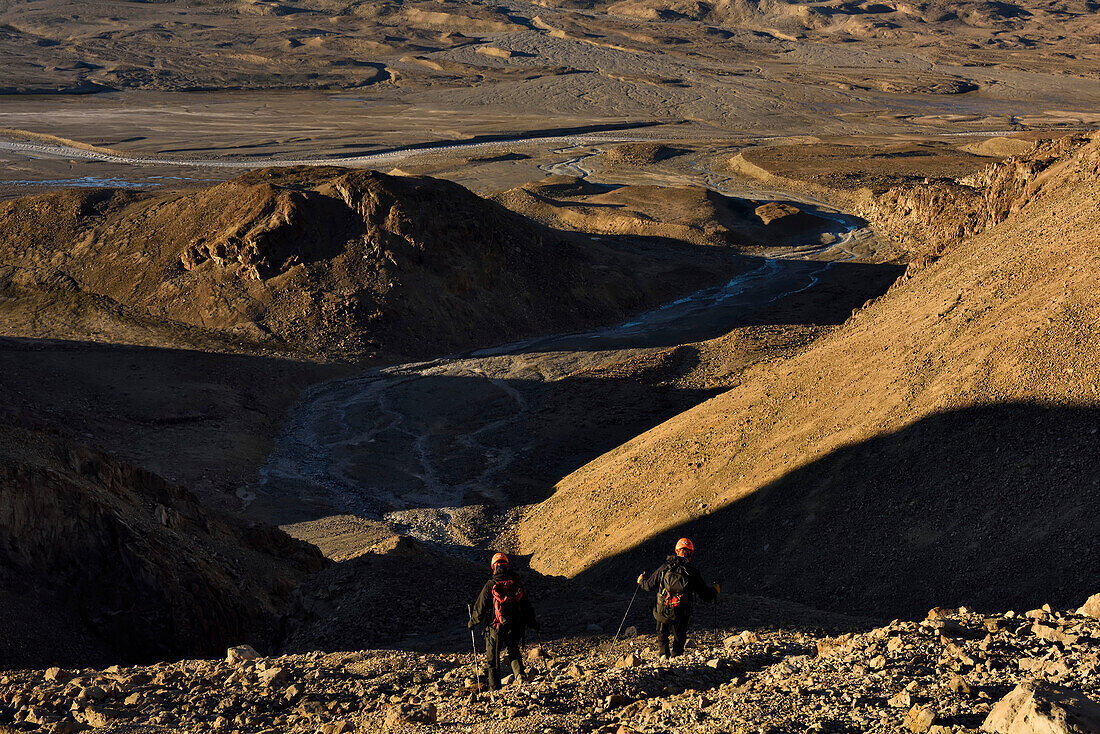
column 942, row 444
column 321, row 262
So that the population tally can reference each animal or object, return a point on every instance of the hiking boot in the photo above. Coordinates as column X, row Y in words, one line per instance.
column 662, row 658
column 494, row 680
column 517, row 671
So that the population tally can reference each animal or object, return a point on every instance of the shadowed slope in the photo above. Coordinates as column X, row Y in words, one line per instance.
column 127, row 566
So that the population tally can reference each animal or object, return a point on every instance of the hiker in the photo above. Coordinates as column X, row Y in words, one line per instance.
column 506, row 609
column 676, row 582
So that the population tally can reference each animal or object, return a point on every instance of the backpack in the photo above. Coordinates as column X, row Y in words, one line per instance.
column 674, row 585
column 507, row 595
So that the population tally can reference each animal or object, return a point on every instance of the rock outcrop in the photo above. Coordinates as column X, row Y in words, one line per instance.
column 936, row 214
column 1091, row 607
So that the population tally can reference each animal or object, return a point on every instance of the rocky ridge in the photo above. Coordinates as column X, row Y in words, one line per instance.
column 935, row 214
column 928, row 214
column 945, row 673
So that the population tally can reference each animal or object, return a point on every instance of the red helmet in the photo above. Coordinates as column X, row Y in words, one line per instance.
column 499, row 560
column 683, row 544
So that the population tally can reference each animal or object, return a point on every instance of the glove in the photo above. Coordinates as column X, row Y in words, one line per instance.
column 641, row 578
column 717, row 590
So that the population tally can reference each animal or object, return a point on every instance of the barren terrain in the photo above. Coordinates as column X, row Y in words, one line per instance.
column 307, row 306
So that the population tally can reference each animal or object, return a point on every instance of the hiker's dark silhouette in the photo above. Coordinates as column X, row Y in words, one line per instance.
column 676, row 582
column 505, row 607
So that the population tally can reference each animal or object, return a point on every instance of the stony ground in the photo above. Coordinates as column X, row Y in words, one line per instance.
column 942, row 674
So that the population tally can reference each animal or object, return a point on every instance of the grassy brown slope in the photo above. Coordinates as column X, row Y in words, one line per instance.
column 942, row 444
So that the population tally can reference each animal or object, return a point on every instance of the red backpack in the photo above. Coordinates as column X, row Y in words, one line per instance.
column 674, row 585
column 507, row 595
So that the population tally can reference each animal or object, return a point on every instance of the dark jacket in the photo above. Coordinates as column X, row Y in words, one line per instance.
column 483, row 607
column 656, row 582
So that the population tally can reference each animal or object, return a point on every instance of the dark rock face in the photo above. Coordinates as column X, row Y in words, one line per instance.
column 136, row 562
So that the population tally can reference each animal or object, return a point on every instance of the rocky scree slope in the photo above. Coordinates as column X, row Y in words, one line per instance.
column 323, row 262
column 944, row 439
column 954, row 671
column 103, row 561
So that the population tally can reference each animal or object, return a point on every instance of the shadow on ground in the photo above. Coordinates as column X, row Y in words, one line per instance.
column 993, row 508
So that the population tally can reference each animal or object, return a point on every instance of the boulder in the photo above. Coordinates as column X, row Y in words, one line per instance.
column 615, row 700
column 1052, row 634
column 901, row 700
column 959, row 685
column 920, row 719
column 272, row 677
column 98, row 718
column 57, row 675
column 92, row 693
column 408, row 714
column 1034, row 707
column 952, row 628
column 240, row 653
column 67, row 726
column 1091, row 607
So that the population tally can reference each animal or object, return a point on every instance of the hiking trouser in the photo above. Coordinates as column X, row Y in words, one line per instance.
column 678, row 629
column 498, row 639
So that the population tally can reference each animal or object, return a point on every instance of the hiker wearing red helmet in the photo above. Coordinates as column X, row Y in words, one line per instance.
column 506, row 609
column 676, row 583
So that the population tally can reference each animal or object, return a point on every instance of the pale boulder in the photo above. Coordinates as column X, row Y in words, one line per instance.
column 1091, row 607
column 1034, row 707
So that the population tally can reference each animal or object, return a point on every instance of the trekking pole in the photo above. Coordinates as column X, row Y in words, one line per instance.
column 473, row 644
column 628, row 606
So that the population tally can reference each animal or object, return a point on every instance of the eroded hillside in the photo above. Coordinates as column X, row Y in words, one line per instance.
column 320, row 262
